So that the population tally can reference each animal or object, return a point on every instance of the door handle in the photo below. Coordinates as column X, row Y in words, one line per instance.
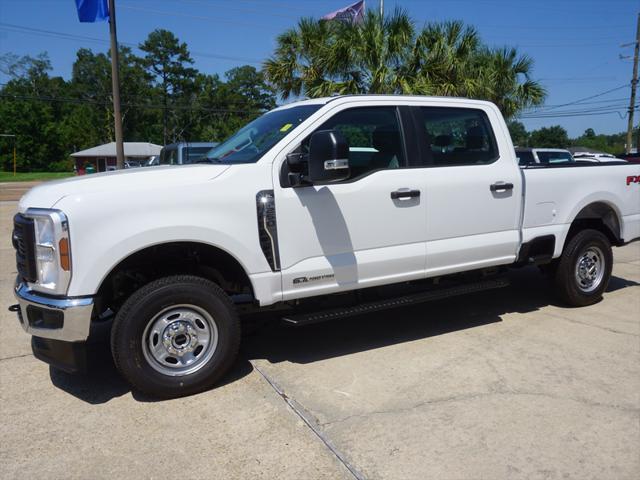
column 404, row 193
column 501, row 187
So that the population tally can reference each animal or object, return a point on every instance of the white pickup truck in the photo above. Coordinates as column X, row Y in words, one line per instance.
column 313, row 199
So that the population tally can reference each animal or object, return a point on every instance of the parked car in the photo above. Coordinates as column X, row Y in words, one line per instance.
column 631, row 157
column 317, row 210
column 596, row 157
column 132, row 164
column 184, row 153
column 543, row 156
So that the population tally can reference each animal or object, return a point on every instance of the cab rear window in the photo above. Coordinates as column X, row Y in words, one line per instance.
column 458, row 136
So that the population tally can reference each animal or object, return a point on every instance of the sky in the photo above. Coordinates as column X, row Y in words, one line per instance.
column 576, row 45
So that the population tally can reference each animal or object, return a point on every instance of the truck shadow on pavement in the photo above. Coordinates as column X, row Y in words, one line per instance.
column 275, row 342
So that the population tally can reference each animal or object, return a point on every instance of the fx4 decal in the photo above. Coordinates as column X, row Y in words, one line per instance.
column 633, row 179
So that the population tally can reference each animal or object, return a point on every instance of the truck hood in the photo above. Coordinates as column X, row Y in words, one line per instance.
column 118, row 182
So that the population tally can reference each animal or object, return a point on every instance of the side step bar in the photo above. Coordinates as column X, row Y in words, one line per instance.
column 376, row 306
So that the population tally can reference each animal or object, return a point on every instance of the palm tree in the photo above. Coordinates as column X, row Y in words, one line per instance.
column 440, row 59
column 387, row 55
column 319, row 58
column 506, row 80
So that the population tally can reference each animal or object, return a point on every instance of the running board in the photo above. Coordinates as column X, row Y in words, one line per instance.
column 422, row 297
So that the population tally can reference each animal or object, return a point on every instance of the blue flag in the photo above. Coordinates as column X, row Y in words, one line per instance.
column 90, row 11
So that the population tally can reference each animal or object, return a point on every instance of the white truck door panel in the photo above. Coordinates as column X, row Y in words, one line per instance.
column 353, row 234
column 350, row 235
column 478, row 227
column 469, row 223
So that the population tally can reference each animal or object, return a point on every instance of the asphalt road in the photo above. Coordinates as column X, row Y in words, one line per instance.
column 498, row 385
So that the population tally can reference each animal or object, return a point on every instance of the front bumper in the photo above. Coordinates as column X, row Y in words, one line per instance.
column 65, row 319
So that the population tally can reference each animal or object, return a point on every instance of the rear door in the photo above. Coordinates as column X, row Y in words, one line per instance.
column 472, row 191
column 367, row 230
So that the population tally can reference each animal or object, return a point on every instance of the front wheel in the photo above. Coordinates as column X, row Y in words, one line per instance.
column 175, row 336
column 584, row 268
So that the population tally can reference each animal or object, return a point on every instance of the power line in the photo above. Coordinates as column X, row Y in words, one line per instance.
column 217, row 5
column 195, row 17
column 608, row 109
column 582, row 99
column 68, row 36
column 608, row 100
column 528, row 117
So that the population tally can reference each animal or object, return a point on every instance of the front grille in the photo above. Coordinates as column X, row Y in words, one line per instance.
column 24, row 239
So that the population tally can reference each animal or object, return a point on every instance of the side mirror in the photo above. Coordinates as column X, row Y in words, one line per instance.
column 328, row 157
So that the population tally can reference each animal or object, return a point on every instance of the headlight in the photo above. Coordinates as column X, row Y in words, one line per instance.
column 52, row 252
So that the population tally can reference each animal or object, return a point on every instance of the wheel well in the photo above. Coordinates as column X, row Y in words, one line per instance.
column 598, row 216
column 173, row 258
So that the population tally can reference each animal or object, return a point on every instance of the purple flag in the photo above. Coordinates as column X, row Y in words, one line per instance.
column 352, row 13
column 90, row 11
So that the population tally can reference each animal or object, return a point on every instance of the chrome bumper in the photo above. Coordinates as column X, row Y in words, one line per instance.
column 75, row 313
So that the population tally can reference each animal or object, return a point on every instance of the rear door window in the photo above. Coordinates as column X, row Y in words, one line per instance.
column 457, row 136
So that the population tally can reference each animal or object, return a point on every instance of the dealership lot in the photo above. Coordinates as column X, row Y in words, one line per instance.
column 504, row 384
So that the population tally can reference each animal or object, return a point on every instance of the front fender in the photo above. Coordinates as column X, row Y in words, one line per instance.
column 93, row 270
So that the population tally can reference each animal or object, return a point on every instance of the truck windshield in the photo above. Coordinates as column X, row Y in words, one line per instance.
column 255, row 139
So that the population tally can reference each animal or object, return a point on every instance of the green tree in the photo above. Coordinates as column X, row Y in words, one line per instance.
column 519, row 134
column 53, row 117
column 27, row 112
column 248, row 84
column 224, row 107
column 613, row 144
column 168, row 63
column 387, row 55
column 549, row 137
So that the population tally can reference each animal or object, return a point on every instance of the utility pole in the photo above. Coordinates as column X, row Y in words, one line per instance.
column 381, row 8
column 115, row 85
column 634, row 84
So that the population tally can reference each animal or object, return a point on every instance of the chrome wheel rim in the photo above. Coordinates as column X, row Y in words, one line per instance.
column 180, row 340
column 589, row 270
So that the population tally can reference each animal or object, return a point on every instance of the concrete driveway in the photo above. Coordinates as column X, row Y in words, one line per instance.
column 14, row 190
column 496, row 385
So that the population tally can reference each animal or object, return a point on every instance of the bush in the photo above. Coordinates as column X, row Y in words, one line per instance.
column 61, row 166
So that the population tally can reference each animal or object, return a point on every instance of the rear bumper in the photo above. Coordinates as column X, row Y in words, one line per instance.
column 64, row 319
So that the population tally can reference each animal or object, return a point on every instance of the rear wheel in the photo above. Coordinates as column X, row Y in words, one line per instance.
column 584, row 268
column 175, row 336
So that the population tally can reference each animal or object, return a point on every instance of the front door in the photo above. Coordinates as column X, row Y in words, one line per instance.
column 365, row 231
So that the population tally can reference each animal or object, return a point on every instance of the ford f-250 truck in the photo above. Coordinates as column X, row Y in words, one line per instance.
column 307, row 203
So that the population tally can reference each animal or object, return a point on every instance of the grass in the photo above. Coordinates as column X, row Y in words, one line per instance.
column 33, row 176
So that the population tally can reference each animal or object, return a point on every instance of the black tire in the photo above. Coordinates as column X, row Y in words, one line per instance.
column 568, row 287
column 134, row 360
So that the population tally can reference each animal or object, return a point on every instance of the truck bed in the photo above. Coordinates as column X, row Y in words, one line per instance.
column 554, row 195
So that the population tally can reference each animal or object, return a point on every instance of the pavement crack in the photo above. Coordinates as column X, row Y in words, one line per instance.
column 474, row 396
column 313, row 425
column 607, row 329
column 17, row 356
